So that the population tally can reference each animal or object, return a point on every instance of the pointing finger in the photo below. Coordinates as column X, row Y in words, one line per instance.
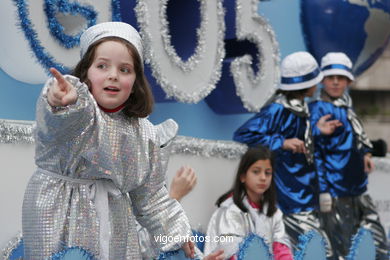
column 62, row 83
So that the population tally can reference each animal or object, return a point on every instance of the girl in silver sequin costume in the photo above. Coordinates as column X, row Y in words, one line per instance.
column 249, row 207
column 99, row 165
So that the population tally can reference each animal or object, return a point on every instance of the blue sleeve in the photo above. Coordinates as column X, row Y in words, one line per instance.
column 262, row 129
column 316, row 112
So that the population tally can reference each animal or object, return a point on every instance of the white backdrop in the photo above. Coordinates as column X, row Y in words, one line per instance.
column 215, row 176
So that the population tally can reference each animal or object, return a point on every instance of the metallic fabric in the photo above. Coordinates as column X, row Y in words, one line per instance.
column 20, row 132
column 295, row 179
column 339, row 163
column 96, row 173
column 348, row 215
column 300, row 223
column 229, row 221
column 149, row 249
column 300, row 108
column 346, row 102
column 111, row 29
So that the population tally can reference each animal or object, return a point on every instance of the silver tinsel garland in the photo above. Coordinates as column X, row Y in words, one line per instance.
column 22, row 132
column 169, row 87
column 245, row 63
column 16, row 131
column 11, row 245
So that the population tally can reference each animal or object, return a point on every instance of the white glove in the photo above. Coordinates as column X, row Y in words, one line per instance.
column 325, row 202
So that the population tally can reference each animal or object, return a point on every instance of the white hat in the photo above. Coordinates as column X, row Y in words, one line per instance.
column 336, row 63
column 111, row 29
column 299, row 71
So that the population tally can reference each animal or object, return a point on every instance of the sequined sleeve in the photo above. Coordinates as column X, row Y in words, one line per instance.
column 155, row 210
column 226, row 230
column 67, row 121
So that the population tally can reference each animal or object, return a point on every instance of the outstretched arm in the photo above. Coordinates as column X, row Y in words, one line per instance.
column 61, row 93
column 64, row 109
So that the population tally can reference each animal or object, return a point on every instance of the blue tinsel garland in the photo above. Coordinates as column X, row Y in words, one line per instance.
column 52, row 7
column 247, row 241
column 74, row 253
column 56, row 29
column 356, row 240
column 43, row 57
column 304, row 241
column 171, row 254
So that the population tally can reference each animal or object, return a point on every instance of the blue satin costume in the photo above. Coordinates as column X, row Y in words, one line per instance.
column 340, row 164
column 295, row 179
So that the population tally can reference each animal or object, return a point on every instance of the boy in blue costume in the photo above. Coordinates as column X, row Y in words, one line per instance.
column 283, row 125
column 343, row 159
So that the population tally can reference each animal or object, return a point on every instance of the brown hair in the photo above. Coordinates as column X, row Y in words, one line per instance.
column 250, row 157
column 292, row 94
column 140, row 103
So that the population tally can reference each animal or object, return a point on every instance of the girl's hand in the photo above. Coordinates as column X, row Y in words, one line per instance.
column 189, row 249
column 328, row 127
column 368, row 163
column 183, row 182
column 295, row 145
column 217, row 255
column 61, row 93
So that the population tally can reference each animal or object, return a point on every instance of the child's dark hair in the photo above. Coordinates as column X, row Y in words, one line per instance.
column 140, row 103
column 293, row 93
column 247, row 160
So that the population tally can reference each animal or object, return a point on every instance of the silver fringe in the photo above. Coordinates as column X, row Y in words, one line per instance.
column 208, row 148
column 16, row 131
column 20, row 132
column 252, row 95
column 11, row 245
column 171, row 89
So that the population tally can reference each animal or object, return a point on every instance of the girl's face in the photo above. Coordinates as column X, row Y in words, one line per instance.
column 335, row 85
column 257, row 179
column 111, row 74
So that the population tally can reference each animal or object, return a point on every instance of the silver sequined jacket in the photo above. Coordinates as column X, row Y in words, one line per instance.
column 96, row 173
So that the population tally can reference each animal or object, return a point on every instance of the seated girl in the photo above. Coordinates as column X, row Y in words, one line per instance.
column 249, row 207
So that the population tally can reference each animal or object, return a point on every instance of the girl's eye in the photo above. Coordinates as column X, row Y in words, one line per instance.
column 102, row 66
column 125, row 70
column 268, row 173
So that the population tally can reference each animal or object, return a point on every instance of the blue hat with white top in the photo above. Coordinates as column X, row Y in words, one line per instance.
column 299, row 71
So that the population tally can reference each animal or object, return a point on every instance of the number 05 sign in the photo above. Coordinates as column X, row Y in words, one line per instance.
column 235, row 51
column 222, row 52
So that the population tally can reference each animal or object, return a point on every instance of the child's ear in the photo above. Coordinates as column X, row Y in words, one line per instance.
column 242, row 178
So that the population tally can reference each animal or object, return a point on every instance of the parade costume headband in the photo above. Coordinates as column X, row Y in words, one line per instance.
column 299, row 71
column 111, row 29
column 337, row 63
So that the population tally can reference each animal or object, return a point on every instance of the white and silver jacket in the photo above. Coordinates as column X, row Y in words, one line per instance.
column 231, row 225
